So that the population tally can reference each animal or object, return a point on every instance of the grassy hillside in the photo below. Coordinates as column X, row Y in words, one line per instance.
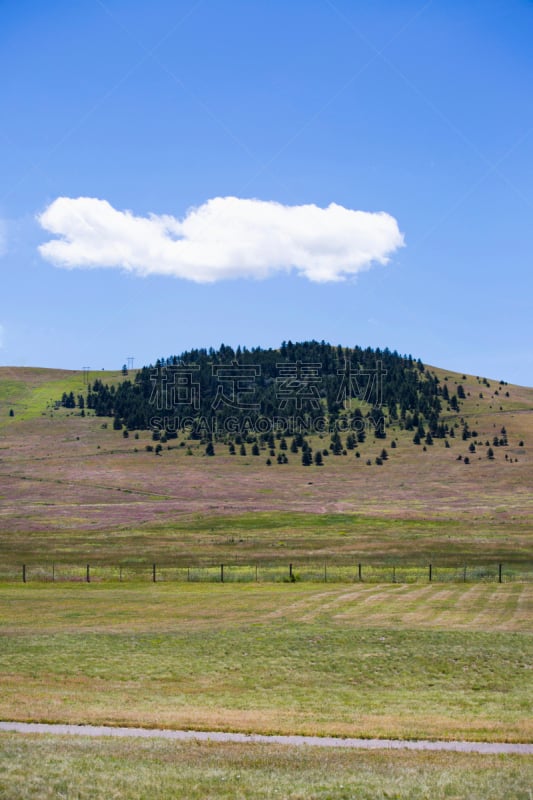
column 33, row 391
column 71, row 487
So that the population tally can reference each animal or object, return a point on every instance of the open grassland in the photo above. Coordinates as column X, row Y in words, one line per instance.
column 270, row 538
column 407, row 660
column 388, row 661
column 72, row 489
column 45, row 768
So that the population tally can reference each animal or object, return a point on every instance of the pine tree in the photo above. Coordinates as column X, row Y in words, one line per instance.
column 307, row 458
column 336, row 444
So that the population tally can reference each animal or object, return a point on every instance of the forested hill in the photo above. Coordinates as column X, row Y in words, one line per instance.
column 312, row 382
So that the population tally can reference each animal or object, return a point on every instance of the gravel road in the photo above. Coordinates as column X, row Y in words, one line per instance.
column 256, row 738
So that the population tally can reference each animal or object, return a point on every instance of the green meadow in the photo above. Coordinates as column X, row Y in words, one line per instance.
column 406, row 661
column 47, row 768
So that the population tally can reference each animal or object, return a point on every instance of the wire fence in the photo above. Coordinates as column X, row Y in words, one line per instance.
column 278, row 572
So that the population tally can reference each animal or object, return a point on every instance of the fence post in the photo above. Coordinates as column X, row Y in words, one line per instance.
column 291, row 576
column 430, row 573
column 359, row 572
column 188, row 574
column 256, row 573
column 499, row 573
column 222, row 573
column 24, row 573
column 88, row 574
column 153, row 574
column 325, row 572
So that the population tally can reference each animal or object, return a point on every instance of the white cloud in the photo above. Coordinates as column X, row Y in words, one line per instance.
column 226, row 237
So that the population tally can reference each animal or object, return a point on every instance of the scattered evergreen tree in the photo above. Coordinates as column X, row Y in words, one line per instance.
column 307, row 458
column 318, row 459
column 210, row 450
column 336, row 444
column 350, row 441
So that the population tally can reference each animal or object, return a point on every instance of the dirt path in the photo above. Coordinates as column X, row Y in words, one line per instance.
column 255, row 738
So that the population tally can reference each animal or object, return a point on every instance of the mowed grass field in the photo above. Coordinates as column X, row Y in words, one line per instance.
column 47, row 768
column 387, row 661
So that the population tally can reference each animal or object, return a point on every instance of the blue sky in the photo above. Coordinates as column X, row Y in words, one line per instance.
column 419, row 110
